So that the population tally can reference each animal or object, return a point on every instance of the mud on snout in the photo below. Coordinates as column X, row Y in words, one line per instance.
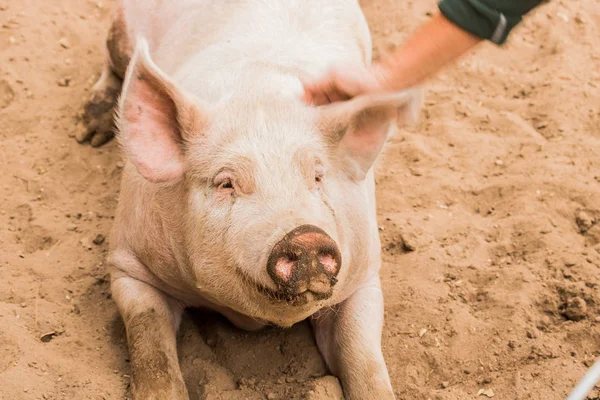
column 304, row 265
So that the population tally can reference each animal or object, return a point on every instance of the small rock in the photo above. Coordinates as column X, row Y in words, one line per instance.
column 64, row 42
column 64, row 82
column 99, row 239
column 415, row 171
column 46, row 337
column 563, row 16
column 325, row 388
column 486, row 392
column 85, row 242
column 584, row 221
column 569, row 261
column 532, row 333
column 272, row 396
column 409, row 241
column 71, row 227
column 575, row 309
column 445, row 384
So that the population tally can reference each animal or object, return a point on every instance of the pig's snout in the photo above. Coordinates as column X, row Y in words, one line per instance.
column 307, row 260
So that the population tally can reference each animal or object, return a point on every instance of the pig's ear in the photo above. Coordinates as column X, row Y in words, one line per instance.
column 358, row 128
column 155, row 119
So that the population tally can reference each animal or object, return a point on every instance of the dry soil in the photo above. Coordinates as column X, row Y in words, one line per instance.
column 489, row 212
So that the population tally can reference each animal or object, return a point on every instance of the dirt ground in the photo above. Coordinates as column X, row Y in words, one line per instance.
column 489, row 212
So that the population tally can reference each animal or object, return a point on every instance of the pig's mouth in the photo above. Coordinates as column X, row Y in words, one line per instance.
column 292, row 299
column 284, row 295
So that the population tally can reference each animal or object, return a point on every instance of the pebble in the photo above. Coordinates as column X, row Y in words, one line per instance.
column 46, row 337
column 85, row 242
column 584, row 221
column 575, row 309
column 99, row 239
column 445, row 384
column 64, row 42
column 569, row 262
column 409, row 241
column 64, row 82
column 532, row 334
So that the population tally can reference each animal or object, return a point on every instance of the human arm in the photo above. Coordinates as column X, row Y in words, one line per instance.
column 457, row 27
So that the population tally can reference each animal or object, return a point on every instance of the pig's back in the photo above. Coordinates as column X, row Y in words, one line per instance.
column 212, row 38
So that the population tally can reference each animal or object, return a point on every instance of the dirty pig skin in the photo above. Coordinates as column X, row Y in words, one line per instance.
column 236, row 196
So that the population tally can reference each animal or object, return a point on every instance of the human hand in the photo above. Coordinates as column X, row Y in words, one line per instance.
column 345, row 82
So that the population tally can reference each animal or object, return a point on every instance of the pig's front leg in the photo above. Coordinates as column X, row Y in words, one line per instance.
column 151, row 320
column 349, row 338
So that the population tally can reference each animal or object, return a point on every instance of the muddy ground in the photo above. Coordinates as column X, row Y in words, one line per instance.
column 489, row 212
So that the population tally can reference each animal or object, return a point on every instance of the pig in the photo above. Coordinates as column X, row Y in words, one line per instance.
column 236, row 196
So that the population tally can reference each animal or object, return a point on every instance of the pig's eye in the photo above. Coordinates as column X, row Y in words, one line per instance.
column 319, row 175
column 224, row 182
column 226, row 185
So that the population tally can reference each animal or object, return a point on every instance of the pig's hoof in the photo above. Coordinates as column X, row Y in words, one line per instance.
column 98, row 114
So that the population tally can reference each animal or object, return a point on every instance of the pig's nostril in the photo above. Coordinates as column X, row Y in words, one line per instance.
column 284, row 268
column 329, row 263
column 305, row 262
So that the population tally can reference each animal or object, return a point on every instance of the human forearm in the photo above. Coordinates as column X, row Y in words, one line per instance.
column 435, row 44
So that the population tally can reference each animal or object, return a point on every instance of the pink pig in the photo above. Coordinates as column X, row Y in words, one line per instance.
column 236, row 196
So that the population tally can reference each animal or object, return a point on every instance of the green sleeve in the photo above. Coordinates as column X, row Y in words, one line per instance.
column 488, row 19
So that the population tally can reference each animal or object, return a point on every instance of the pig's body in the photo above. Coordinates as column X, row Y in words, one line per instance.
column 245, row 51
column 217, row 86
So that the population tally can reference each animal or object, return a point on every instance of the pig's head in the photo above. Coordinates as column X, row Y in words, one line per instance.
column 277, row 218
